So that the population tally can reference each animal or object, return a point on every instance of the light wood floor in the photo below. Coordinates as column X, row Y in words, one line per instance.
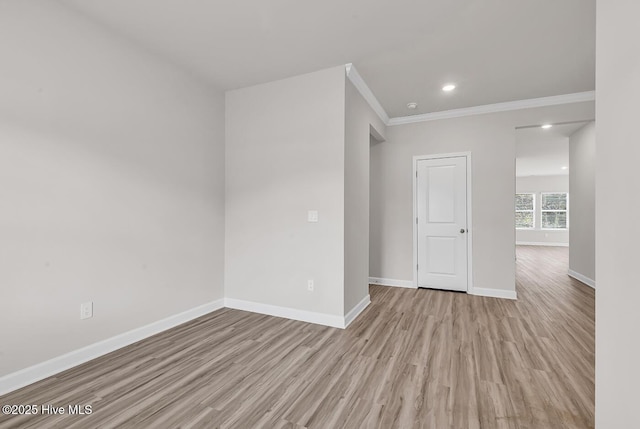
column 414, row 358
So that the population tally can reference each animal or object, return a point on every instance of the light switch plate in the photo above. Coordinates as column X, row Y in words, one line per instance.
column 86, row 310
column 312, row 216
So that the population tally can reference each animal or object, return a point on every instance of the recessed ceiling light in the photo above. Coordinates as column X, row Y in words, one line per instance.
column 546, row 126
column 564, row 167
column 412, row 105
column 449, row 87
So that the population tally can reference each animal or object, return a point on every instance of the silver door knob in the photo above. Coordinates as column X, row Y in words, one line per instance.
column 462, row 230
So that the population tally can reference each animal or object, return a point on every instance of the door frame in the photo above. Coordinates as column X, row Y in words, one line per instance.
column 469, row 212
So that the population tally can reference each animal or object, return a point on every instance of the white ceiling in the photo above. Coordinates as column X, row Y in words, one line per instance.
column 541, row 152
column 495, row 50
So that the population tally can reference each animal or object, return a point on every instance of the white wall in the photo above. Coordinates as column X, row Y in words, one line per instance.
column 111, row 184
column 617, row 208
column 285, row 155
column 375, row 214
column 359, row 118
column 582, row 216
column 491, row 139
column 538, row 184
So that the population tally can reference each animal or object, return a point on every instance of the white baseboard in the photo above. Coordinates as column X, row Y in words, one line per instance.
column 584, row 279
column 24, row 377
column 493, row 293
column 30, row 375
column 355, row 311
column 541, row 243
column 391, row 282
column 286, row 312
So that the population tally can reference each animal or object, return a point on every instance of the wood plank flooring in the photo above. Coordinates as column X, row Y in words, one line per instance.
column 413, row 359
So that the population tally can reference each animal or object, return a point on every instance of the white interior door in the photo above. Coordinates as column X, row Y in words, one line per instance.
column 441, row 202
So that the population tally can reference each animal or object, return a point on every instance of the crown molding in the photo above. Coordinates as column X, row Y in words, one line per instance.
column 365, row 91
column 555, row 100
column 367, row 94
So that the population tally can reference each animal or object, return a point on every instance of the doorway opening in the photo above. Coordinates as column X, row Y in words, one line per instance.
column 555, row 188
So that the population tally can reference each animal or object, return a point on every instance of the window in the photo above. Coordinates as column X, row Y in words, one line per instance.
column 554, row 210
column 525, row 211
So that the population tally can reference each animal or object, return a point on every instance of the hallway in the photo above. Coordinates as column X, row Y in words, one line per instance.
column 414, row 358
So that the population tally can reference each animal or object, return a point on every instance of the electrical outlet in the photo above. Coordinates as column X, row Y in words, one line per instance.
column 86, row 310
column 310, row 285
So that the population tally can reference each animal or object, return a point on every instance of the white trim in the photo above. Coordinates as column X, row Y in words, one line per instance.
column 392, row 282
column 469, row 213
column 286, row 312
column 414, row 222
column 32, row 374
column 555, row 100
column 581, row 278
column 469, row 223
column 366, row 92
column 493, row 293
column 530, row 103
column 541, row 243
column 355, row 311
column 369, row 96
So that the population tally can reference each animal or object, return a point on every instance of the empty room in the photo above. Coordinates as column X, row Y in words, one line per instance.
column 286, row 214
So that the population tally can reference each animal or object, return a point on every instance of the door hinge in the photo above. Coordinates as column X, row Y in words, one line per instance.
column 416, row 174
column 416, row 267
column 416, row 221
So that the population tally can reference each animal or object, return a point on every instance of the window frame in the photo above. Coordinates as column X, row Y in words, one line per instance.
column 566, row 211
column 533, row 211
